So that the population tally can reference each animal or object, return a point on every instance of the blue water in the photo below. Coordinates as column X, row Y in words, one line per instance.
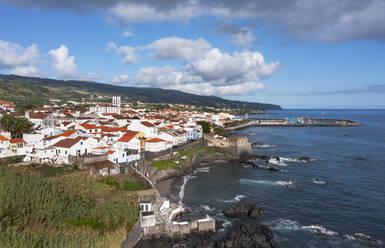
column 347, row 210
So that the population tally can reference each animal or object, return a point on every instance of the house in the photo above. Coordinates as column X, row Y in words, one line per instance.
column 15, row 147
column 103, row 168
column 156, row 145
column 149, row 129
column 89, row 128
column 7, row 106
column 120, row 156
column 78, row 146
column 4, row 144
column 108, row 108
column 128, row 141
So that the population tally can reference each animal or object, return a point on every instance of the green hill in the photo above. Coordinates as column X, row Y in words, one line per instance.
column 38, row 91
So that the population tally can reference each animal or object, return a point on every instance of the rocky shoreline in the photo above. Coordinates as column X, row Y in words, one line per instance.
column 247, row 233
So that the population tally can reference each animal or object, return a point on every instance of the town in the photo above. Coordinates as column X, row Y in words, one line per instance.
column 105, row 140
column 60, row 135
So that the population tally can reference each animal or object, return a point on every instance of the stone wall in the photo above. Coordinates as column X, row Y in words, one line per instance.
column 80, row 161
column 202, row 225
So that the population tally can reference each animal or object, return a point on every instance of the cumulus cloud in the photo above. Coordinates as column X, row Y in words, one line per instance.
column 111, row 46
column 179, row 48
column 224, row 68
column 214, row 73
column 13, row 55
column 65, row 66
column 121, row 79
column 28, row 71
column 128, row 54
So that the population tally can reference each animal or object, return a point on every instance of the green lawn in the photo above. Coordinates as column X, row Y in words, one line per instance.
column 192, row 152
column 132, row 186
column 165, row 164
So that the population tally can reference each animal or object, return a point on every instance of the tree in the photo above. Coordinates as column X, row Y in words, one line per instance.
column 221, row 132
column 17, row 126
column 205, row 126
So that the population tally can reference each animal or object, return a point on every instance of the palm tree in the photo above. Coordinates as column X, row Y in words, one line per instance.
column 17, row 126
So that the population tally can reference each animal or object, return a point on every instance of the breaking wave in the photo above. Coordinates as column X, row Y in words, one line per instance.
column 267, row 182
column 237, row 198
column 285, row 224
column 318, row 181
column 207, row 208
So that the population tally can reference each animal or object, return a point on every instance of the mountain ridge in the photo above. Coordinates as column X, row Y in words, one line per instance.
column 37, row 90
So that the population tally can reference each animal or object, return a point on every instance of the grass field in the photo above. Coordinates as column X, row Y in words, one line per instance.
column 165, row 164
column 62, row 210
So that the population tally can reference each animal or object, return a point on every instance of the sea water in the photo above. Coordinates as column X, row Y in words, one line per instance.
column 335, row 200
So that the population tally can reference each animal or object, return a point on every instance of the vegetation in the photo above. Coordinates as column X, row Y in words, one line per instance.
column 221, row 132
column 10, row 160
column 72, row 210
column 205, row 126
column 17, row 126
column 236, row 123
column 133, row 186
column 165, row 164
column 39, row 91
column 191, row 153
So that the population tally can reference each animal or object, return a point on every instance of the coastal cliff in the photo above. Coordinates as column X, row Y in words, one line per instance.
column 206, row 154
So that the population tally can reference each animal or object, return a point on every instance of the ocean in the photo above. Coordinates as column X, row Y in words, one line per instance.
column 335, row 200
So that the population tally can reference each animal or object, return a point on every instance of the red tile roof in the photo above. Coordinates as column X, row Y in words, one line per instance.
column 89, row 126
column 147, row 124
column 154, row 140
column 110, row 152
column 2, row 138
column 116, row 129
column 67, row 134
column 126, row 138
column 68, row 143
column 17, row 141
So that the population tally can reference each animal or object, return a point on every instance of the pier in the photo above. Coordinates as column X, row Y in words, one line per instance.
column 300, row 122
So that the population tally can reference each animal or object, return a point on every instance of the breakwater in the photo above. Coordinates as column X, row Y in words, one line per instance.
column 301, row 122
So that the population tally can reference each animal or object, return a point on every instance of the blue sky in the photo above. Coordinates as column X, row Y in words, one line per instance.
column 294, row 56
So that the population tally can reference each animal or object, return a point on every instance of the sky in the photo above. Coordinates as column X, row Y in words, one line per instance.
column 295, row 53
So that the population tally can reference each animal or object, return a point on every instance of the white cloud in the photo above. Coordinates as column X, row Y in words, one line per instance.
column 158, row 76
column 91, row 76
column 179, row 48
column 223, row 68
column 215, row 73
column 128, row 53
column 63, row 64
column 111, row 46
column 120, row 79
column 244, row 38
column 29, row 71
column 128, row 33
column 13, row 55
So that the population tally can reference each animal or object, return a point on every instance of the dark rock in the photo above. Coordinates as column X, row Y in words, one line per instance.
column 305, row 159
column 248, row 236
column 180, row 214
column 272, row 169
column 194, row 239
column 243, row 210
column 277, row 158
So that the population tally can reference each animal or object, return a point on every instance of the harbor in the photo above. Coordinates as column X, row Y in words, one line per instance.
column 298, row 122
